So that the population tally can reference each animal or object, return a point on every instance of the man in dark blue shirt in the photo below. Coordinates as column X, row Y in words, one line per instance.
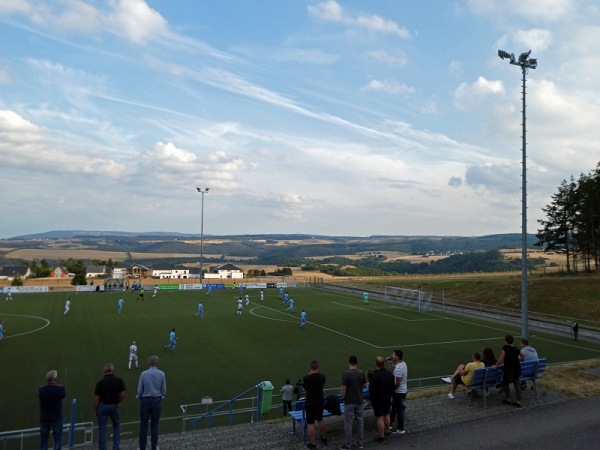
column 51, row 396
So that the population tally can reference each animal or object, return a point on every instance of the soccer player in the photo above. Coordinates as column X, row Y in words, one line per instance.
column 302, row 319
column 8, row 295
column 154, row 291
column 133, row 354
column 67, row 306
column 280, row 292
column 141, row 294
column 120, row 305
column 1, row 331
column 172, row 340
column 247, row 299
column 291, row 308
column 286, row 298
column 200, row 311
column 240, row 304
column 262, row 296
column 241, row 288
column 366, row 298
column 209, row 290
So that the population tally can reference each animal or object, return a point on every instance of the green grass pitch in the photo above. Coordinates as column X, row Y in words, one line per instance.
column 224, row 354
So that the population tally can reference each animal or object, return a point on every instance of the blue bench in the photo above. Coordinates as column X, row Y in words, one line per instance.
column 532, row 371
column 486, row 378
column 489, row 377
column 299, row 414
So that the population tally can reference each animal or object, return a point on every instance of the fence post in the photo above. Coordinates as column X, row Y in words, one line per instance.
column 72, row 427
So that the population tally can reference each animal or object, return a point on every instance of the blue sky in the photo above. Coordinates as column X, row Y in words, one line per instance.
column 318, row 117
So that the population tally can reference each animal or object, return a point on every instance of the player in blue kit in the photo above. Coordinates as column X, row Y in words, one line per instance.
column 172, row 340
column 286, row 298
column 200, row 311
column 120, row 305
column 302, row 319
column 291, row 308
column 280, row 292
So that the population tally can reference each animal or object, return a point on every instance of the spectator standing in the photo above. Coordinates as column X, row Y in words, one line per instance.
column 512, row 370
column 314, row 383
column 464, row 373
column 400, row 390
column 381, row 389
column 299, row 390
column 575, row 328
column 353, row 383
column 287, row 394
column 51, row 397
column 109, row 392
column 152, row 388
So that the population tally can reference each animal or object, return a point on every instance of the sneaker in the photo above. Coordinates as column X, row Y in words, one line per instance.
column 357, row 445
column 451, row 395
column 447, row 380
column 344, row 447
column 381, row 440
column 397, row 431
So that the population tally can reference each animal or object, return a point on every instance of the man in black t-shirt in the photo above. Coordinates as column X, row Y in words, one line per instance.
column 109, row 392
column 381, row 388
column 314, row 383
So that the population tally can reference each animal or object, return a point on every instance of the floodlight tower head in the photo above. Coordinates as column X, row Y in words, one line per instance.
column 523, row 56
column 503, row 54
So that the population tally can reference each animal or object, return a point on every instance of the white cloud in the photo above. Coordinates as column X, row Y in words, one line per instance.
column 474, row 95
column 136, row 20
column 549, row 11
column 391, row 87
column 385, row 57
column 331, row 11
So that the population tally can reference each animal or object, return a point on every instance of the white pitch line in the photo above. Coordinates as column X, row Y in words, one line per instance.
column 27, row 332
column 436, row 318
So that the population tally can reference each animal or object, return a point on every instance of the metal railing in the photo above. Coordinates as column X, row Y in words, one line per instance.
column 84, row 430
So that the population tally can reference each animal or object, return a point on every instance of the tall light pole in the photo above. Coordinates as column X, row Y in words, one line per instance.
column 202, row 191
column 525, row 63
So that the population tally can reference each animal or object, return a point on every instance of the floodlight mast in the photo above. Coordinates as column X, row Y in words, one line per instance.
column 202, row 191
column 525, row 63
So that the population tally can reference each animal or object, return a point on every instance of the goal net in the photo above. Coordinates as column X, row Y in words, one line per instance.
column 408, row 297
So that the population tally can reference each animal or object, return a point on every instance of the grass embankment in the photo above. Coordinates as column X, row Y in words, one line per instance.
column 573, row 296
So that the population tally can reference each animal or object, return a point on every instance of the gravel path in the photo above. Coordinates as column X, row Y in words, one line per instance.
column 423, row 414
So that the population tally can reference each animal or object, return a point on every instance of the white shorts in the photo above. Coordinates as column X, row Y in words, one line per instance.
column 133, row 357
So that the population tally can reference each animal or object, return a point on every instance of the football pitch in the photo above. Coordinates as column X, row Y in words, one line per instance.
column 224, row 354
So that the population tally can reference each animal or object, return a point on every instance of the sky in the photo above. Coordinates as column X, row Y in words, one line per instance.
column 325, row 117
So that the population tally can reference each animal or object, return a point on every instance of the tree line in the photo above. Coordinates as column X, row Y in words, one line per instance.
column 572, row 223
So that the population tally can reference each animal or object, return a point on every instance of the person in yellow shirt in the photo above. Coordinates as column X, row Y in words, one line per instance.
column 464, row 374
